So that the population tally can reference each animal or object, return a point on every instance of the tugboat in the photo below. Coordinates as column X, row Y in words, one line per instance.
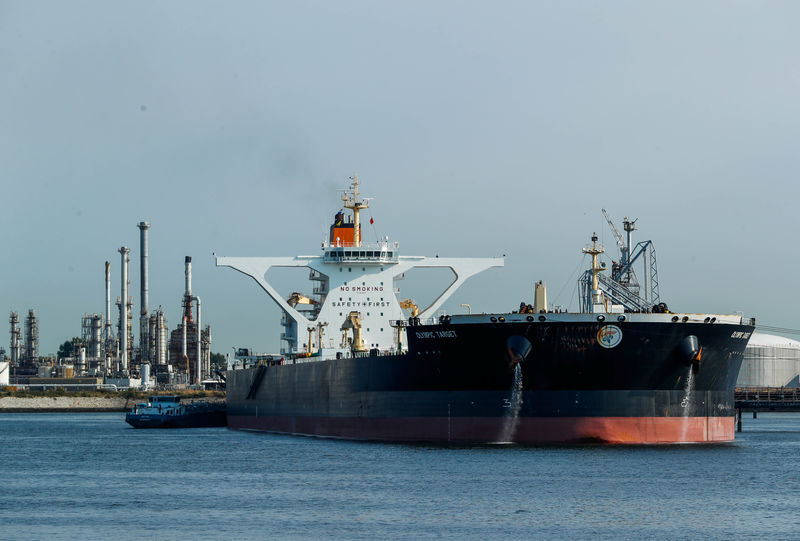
column 170, row 412
column 625, row 369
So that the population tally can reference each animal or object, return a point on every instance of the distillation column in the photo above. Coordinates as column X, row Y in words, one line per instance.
column 31, row 337
column 15, row 345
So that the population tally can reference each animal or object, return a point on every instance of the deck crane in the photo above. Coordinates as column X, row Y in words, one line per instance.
column 411, row 306
column 622, row 272
column 622, row 286
column 617, row 235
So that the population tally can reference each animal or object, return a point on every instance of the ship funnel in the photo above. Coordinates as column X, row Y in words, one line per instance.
column 517, row 350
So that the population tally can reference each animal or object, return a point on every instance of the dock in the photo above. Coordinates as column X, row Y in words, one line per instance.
column 767, row 399
column 757, row 399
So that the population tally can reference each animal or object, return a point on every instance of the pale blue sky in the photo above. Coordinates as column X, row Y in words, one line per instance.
column 480, row 128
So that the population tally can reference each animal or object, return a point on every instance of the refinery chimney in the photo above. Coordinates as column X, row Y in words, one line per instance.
column 187, row 295
column 107, row 333
column 188, row 263
column 123, row 312
column 144, row 338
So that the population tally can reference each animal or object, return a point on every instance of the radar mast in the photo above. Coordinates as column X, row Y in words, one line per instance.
column 353, row 202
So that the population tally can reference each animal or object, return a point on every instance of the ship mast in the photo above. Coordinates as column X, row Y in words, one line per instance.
column 595, row 250
column 354, row 203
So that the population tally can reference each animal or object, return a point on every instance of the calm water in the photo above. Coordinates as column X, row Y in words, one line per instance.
column 90, row 476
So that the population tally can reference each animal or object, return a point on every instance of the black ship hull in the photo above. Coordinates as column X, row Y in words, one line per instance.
column 523, row 382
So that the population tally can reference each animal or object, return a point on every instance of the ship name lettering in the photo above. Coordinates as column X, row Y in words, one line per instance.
column 437, row 334
column 740, row 334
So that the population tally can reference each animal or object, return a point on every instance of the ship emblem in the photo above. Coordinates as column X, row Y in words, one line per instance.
column 609, row 336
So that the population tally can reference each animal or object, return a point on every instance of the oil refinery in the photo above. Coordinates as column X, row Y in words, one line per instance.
column 106, row 354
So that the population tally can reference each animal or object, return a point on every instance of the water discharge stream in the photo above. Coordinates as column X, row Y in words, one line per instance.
column 512, row 416
column 686, row 402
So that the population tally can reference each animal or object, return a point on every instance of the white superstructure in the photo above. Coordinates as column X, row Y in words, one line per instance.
column 353, row 306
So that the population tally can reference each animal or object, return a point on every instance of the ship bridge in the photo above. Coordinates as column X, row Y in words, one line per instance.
column 368, row 253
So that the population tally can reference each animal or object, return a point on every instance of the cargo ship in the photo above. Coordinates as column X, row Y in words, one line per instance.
column 360, row 363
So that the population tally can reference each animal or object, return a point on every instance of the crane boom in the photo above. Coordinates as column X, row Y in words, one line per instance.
column 617, row 234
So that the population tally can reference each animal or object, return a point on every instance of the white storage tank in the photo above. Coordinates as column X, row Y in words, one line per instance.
column 770, row 361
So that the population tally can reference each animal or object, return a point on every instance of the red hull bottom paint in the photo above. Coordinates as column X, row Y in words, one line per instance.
column 526, row 430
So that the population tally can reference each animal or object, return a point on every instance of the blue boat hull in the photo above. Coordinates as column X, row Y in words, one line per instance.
column 206, row 416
